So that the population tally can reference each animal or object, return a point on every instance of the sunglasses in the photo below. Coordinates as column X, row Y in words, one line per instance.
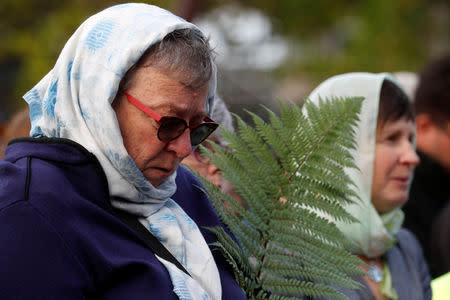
column 171, row 128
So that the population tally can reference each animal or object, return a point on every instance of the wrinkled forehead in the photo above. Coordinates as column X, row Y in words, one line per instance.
column 193, row 110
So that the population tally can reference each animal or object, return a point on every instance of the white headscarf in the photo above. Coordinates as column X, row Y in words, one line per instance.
column 374, row 234
column 74, row 101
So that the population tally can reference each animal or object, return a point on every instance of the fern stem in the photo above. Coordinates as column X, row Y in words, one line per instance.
column 311, row 151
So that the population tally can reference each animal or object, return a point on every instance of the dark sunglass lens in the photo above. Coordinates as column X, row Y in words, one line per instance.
column 201, row 132
column 170, row 128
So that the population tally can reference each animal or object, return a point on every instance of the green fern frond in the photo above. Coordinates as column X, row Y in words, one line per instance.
column 291, row 174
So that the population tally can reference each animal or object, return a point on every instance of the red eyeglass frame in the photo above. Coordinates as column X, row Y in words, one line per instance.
column 157, row 117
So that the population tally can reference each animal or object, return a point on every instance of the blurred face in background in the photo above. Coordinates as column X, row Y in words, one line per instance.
column 395, row 159
column 197, row 161
column 433, row 139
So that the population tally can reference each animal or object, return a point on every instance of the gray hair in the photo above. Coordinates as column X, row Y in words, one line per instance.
column 220, row 114
column 184, row 55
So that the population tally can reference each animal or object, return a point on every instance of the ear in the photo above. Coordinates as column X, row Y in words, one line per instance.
column 423, row 124
column 426, row 133
column 212, row 169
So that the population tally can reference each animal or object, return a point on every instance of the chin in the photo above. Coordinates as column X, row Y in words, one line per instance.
column 154, row 183
column 398, row 202
column 390, row 203
column 160, row 178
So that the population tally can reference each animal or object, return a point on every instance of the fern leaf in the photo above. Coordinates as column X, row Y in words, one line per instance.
column 291, row 174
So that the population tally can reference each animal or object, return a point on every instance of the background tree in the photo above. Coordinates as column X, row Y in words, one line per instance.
column 326, row 37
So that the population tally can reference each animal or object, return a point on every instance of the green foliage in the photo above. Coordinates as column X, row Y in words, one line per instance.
column 290, row 172
column 333, row 36
column 342, row 36
column 34, row 33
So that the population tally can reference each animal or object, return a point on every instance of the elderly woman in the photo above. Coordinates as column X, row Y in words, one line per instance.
column 126, row 101
column 386, row 158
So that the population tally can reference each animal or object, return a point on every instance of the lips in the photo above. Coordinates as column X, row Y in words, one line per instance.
column 405, row 176
column 403, row 182
column 163, row 170
column 166, row 169
column 405, row 179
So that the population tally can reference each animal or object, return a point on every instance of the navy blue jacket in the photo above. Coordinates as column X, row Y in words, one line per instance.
column 59, row 238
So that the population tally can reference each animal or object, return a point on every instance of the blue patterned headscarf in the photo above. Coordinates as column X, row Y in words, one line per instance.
column 74, row 101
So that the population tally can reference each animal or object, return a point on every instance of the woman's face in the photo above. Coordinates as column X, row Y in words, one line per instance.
column 395, row 159
column 156, row 159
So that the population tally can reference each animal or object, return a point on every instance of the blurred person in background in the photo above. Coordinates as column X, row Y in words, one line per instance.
column 199, row 162
column 18, row 126
column 126, row 101
column 430, row 189
column 385, row 157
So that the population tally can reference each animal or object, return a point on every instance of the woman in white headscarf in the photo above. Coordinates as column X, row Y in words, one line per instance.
column 385, row 157
column 126, row 101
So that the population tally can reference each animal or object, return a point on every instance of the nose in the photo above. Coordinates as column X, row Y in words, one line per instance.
column 181, row 145
column 409, row 155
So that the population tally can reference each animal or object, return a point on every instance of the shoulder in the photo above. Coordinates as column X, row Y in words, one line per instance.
column 408, row 251
column 407, row 254
column 405, row 236
column 41, row 196
column 39, row 169
column 12, row 182
column 408, row 242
